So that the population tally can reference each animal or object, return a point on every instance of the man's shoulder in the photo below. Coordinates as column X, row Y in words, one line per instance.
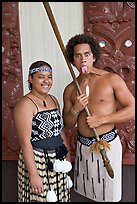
column 113, row 75
column 107, row 74
column 113, row 78
column 70, row 85
column 69, row 89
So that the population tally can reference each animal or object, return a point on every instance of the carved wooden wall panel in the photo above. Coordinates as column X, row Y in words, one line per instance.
column 12, row 87
column 113, row 25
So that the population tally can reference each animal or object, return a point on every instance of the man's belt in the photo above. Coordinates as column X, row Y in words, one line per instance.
column 108, row 137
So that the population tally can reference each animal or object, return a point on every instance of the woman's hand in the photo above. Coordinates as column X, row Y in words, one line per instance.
column 36, row 184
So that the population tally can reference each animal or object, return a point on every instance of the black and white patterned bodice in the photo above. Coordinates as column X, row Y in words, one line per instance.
column 46, row 124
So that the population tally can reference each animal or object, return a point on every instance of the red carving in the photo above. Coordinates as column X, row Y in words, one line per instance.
column 72, row 136
column 12, row 88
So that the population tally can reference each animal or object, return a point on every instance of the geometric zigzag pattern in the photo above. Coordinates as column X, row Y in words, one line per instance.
column 46, row 124
column 91, row 140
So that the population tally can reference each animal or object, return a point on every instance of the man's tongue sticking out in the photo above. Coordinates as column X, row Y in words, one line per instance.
column 84, row 69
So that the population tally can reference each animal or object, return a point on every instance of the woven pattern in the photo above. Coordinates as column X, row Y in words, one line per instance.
column 58, row 181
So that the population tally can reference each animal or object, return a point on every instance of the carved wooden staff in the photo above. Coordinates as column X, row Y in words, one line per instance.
column 100, row 145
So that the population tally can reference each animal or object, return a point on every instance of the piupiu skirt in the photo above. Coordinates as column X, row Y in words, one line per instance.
column 90, row 176
column 57, row 181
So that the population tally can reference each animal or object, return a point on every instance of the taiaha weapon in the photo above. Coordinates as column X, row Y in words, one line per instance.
column 100, row 145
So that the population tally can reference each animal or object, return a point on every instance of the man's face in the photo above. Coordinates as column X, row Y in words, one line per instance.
column 83, row 57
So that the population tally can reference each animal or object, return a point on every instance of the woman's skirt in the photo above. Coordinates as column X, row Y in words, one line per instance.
column 51, row 180
column 91, row 178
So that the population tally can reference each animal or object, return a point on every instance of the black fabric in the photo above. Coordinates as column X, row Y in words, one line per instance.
column 49, row 143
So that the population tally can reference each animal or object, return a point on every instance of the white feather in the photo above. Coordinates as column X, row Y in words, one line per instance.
column 51, row 196
column 69, row 182
column 87, row 90
column 62, row 166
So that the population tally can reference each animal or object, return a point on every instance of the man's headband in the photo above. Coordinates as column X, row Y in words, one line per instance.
column 34, row 70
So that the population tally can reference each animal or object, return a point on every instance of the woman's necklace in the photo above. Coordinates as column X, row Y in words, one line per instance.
column 44, row 103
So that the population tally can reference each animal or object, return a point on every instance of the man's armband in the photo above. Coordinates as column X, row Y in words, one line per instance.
column 74, row 113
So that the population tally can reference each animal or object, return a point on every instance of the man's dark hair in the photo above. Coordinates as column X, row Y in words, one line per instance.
column 82, row 39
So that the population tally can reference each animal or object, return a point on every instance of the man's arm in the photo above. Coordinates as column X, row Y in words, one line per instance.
column 72, row 107
column 126, row 100
column 70, row 119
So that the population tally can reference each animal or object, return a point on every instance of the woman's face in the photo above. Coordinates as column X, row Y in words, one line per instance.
column 41, row 81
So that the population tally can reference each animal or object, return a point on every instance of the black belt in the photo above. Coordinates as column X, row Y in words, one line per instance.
column 108, row 137
column 61, row 151
column 51, row 143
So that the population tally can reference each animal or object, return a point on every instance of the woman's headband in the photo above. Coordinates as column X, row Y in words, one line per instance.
column 34, row 70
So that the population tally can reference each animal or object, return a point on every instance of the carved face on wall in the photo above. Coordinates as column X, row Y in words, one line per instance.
column 113, row 25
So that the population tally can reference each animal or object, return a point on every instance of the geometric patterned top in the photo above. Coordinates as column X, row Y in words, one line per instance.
column 46, row 124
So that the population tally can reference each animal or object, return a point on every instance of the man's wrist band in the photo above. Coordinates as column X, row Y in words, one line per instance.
column 74, row 113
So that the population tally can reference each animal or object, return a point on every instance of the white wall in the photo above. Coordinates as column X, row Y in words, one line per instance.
column 38, row 41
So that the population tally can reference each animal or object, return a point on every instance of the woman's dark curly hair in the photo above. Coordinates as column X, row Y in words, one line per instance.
column 37, row 64
column 82, row 39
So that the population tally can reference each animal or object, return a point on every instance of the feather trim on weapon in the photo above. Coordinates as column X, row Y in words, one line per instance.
column 101, row 146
